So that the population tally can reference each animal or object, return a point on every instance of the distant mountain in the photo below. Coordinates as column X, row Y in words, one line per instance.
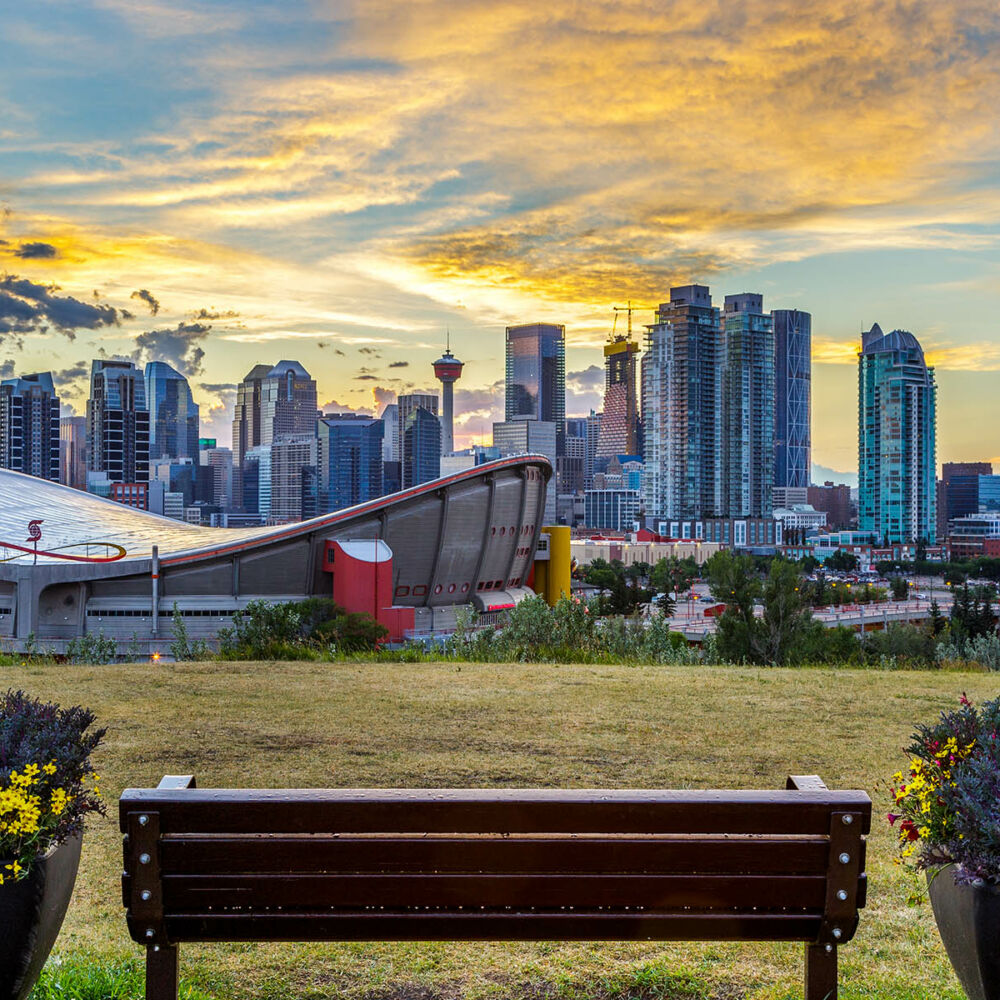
column 822, row 474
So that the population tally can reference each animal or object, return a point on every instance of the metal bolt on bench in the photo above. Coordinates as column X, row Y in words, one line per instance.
column 493, row 865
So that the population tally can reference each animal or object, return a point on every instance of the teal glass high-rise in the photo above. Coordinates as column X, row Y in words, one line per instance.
column 897, row 421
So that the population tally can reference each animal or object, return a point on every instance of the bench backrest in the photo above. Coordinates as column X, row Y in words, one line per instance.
column 493, row 864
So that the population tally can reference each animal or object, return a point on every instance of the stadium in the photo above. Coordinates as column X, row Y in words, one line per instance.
column 73, row 564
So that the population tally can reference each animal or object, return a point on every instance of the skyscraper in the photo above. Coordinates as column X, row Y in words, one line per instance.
column 747, row 407
column 681, row 403
column 957, row 491
column 421, row 445
column 620, row 421
column 293, row 476
column 536, row 373
column 406, row 405
column 897, row 399
column 349, row 462
column 216, row 465
column 447, row 370
column 173, row 414
column 256, row 478
column 792, row 400
column 246, row 418
column 246, row 427
column 390, row 436
column 287, row 402
column 29, row 426
column 117, row 425
column 531, row 437
column 73, row 452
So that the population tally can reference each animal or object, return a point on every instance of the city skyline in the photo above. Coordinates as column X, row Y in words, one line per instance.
column 259, row 181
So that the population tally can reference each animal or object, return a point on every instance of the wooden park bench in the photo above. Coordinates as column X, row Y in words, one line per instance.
column 493, row 865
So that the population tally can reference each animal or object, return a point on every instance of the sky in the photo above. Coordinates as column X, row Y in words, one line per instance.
column 222, row 184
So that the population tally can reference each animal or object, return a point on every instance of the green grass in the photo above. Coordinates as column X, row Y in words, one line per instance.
column 311, row 724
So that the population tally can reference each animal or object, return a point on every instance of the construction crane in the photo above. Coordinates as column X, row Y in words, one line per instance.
column 628, row 310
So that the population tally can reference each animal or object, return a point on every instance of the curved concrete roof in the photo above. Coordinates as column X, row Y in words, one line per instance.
column 80, row 524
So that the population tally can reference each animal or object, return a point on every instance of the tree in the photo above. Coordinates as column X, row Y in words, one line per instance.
column 667, row 605
column 600, row 574
column 899, row 588
column 971, row 614
column 732, row 580
column 786, row 616
column 842, row 561
column 673, row 574
column 937, row 621
column 777, row 636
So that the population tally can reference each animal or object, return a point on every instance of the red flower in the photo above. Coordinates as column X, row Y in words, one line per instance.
column 892, row 817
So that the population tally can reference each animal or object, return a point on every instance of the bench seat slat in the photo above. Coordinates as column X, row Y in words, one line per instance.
column 184, row 892
column 493, row 927
column 224, row 855
column 491, row 810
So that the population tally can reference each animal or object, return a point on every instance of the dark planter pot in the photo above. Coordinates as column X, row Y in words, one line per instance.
column 31, row 913
column 968, row 918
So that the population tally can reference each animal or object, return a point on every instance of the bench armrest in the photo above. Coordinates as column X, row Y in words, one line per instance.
column 177, row 781
column 805, row 783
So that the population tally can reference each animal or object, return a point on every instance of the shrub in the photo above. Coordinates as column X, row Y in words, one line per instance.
column 302, row 630
column 984, row 650
column 92, row 648
column 47, row 783
column 183, row 648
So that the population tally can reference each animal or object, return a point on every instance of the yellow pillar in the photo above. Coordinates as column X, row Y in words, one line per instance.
column 557, row 577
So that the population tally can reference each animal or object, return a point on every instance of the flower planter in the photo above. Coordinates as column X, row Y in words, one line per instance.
column 968, row 918
column 31, row 913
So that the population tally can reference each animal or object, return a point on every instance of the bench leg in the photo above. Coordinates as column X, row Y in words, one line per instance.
column 161, row 972
column 821, row 972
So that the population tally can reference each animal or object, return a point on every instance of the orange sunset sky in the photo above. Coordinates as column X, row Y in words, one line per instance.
column 219, row 184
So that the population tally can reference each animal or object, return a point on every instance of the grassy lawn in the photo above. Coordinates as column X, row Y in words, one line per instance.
column 306, row 724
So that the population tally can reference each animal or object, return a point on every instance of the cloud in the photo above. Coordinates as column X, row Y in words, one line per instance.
column 145, row 295
column 365, row 378
column 369, row 351
column 399, row 364
column 982, row 356
column 218, row 387
column 332, row 406
column 28, row 307
column 77, row 371
column 7, row 368
column 35, row 251
column 589, row 380
column 215, row 314
column 179, row 346
column 977, row 356
column 383, row 396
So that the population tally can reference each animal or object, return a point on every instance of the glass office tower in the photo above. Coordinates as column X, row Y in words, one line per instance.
column 536, row 374
column 792, row 398
column 173, row 414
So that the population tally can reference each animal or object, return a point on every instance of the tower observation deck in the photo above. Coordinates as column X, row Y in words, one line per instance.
column 447, row 370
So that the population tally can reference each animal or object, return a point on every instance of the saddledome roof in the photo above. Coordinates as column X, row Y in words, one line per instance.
column 77, row 524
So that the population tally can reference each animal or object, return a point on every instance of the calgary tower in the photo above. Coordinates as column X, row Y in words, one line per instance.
column 448, row 370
